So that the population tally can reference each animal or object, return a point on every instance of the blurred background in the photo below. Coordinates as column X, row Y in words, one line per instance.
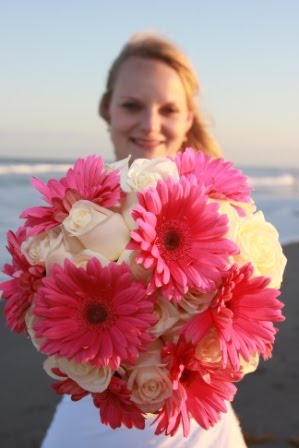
column 55, row 56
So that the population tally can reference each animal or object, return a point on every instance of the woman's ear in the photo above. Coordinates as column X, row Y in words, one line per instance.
column 190, row 120
column 104, row 107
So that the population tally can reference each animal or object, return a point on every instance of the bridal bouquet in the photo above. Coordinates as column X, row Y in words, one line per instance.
column 152, row 287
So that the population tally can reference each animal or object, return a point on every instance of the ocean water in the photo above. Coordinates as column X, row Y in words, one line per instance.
column 276, row 193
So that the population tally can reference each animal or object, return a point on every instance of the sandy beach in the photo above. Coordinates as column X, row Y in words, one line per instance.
column 266, row 402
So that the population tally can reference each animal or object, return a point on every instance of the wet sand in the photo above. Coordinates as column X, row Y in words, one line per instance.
column 266, row 402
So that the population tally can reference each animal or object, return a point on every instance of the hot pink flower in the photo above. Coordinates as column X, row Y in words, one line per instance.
column 221, row 179
column 19, row 291
column 116, row 407
column 180, row 237
column 173, row 413
column 88, row 180
column 100, row 314
column 199, row 390
column 242, row 312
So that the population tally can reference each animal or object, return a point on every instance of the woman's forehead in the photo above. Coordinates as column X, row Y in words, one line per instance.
column 148, row 77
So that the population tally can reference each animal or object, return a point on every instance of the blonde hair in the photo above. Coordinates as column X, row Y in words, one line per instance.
column 152, row 46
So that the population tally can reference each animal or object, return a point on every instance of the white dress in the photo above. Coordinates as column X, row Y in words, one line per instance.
column 78, row 425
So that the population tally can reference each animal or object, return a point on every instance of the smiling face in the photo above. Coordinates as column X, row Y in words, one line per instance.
column 148, row 112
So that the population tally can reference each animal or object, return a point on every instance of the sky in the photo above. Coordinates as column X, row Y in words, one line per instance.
column 55, row 57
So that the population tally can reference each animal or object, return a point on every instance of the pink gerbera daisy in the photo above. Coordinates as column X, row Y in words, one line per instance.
column 199, row 391
column 88, row 180
column 242, row 312
column 116, row 407
column 100, row 314
column 221, row 179
column 25, row 280
column 180, row 237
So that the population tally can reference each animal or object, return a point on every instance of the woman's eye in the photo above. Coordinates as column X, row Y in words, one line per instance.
column 169, row 110
column 131, row 106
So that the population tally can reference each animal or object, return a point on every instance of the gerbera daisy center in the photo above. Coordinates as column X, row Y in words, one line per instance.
column 96, row 313
column 173, row 239
column 187, row 376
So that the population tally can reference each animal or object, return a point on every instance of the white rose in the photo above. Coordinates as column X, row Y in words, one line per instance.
column 57, row 256
column 90, row 378
column 81, row 259
column 37, row 248
column 121, row 165
column 149, row 381
column 98, row 229
column 144, row 173
column 137, row 270
column 68, row 248
column 167, row 314
column 72, row 243
column 258, row 241
column 128, row 203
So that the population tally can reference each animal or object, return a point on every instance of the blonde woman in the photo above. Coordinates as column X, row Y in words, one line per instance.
column 150, row 105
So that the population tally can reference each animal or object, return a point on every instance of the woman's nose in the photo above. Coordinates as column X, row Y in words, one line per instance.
column 150, row 120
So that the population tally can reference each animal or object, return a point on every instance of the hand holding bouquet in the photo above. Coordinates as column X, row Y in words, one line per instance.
column 153, row 288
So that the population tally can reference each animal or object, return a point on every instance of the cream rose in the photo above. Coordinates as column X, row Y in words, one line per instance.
column 137, row 270
column 168, row 315
column 247, row 208
column 251, row 365
column 259, row 243
column 145, row 173
column 229, row 208
column 149, row 380
column 208, row 350
column 173, row 334
column 30, row 320
column 37, row 248
column 90, row 378
column 98, row 229
column 194, row 302
column 233, row 219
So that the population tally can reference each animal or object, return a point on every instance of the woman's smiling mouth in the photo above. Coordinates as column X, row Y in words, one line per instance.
column 146, row 143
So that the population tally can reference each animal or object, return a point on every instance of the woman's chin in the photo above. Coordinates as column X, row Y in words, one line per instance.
column 142, row 152
column 145, row 153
